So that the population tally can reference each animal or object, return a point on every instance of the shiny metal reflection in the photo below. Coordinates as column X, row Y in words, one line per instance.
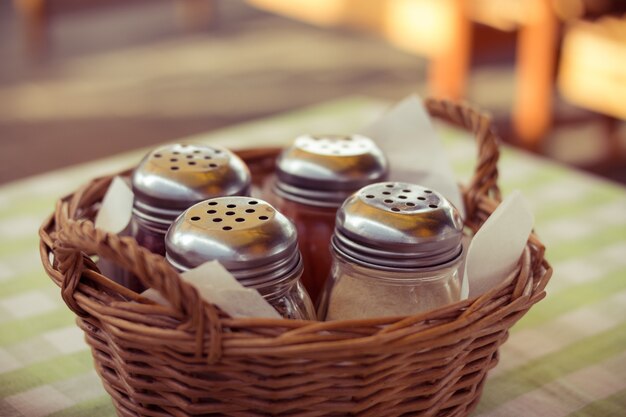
column 325, row 170
column 256, row 243
column 395, row 225
column 173, row 177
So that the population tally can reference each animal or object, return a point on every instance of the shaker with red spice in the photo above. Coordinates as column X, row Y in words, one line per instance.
column 313, row 178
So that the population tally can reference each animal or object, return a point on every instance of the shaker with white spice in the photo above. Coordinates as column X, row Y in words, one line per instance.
column 313, row 178
column 252, row 240
column 170, row 179
column 396, row 251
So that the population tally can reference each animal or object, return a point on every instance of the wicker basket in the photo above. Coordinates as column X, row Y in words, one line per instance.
column 191, row 359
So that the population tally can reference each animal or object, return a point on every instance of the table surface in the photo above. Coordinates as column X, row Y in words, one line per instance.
column 566, row 357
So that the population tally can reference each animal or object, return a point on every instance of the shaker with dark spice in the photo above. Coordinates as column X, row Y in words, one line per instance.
column 170, row 179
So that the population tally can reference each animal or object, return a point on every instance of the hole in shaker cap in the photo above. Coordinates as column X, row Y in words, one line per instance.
column 250, row 210
column 386, row 193
column 240, row 219
column 211, row 211
column 389, row 185
column 195, row 218
column 253, row 202
column 174, row 168
column 395, row 209
column 421, row 198
column 173, row 159
column 207, row 157
column 176, row 153
column 427, row 191
column 212, row 203
column 157, row 155
column 217, row 220
column 230, row 213
column 406, row 191
column 226, row 228
column 213, row 165
column 189, row 156
column 369, row 196
column 231, row 205
column 410, row 204
column 217, row 151
column 432, row 206
column 191, row 163
column 263, row 217
column 388, row 201
column 403, row 197
column 196, row 151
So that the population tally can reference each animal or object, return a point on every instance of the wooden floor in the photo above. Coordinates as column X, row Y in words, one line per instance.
column 117, row 77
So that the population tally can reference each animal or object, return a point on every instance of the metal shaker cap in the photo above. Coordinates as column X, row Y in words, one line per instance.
column 325, row 170
column 394, row 225
column 249, row 237
column 173, row 177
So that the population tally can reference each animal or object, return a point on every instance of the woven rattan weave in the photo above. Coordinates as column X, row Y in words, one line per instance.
column 191, row 359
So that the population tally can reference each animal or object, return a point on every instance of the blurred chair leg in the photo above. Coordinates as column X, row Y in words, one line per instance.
column 614, row 146
column 34, row 21
column 448, row 70
column 197, row 14
column 536, row 60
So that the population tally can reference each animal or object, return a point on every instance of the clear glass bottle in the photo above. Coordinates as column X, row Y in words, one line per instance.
column 172, row 178
column 313, row 178
column 252, row 240
column 396, row 251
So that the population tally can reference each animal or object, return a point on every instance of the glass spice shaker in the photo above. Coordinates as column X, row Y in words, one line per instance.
column 252, row 240
column 313, row 178
column 170, row 179
column 396, row 251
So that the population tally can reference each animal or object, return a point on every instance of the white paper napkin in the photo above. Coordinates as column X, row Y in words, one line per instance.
column 117, row 207
column 216, row 285
column 496, row 248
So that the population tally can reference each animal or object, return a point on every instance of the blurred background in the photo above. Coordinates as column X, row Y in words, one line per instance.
column 80, row 80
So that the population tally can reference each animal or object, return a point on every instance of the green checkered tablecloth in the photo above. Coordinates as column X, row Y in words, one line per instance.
column 567, row 357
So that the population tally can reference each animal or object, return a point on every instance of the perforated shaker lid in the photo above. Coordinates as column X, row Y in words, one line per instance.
column 250, row 238
column 324, row 170
column 395, row 225
column 173, row 177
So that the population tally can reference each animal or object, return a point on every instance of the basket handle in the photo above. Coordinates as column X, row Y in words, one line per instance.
column 74, row 238
column 484, row 181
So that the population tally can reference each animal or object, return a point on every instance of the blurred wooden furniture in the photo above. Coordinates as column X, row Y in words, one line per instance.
column 592, row 71
column 537, row 43
column 442, row 31
column 437, row 29
column 33, row 15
